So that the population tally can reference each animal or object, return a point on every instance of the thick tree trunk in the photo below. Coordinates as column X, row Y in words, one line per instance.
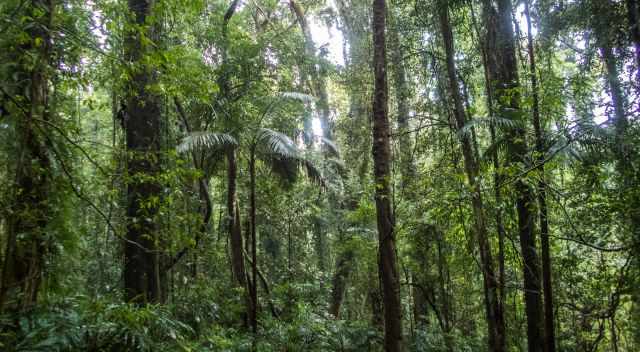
column 549, row 330
column 382, row 160
column 142, row 127
column 503, row 73
column 27, row 242
column 495, row 316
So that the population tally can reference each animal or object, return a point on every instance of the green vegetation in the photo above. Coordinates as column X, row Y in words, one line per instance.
column 320, row 175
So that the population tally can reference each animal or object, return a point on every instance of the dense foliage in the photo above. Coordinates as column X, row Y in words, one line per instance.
column 311, row 175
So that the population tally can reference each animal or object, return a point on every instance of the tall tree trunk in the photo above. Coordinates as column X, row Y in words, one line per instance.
column 27, row 243
column 235, row 232
column 549, row 330
column 233, row 222
column 494, row 313
column 382, row 159
column 142, row 127
column 253, row 314
column 503, row 74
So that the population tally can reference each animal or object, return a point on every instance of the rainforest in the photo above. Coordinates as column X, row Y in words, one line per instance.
column 320, row 175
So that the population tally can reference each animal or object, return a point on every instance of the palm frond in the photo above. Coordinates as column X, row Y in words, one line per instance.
column 313, row 173
column 330, row 145
column 276, row 143
column 305, row 98
column 285, row 168
column 494, row 147
column 498, row 121
column 284, row 157
column 206, row 141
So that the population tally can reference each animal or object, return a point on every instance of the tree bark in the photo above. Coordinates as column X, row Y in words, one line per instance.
column 142, row 128
column 549, row 330
column 27, row 243
column 382, row 159
column 493, row 309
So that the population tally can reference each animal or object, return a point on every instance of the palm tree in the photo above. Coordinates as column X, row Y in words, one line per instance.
column 271, row 148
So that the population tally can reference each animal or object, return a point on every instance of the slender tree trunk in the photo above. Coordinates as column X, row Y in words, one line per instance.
column 27, row 243
column 549, row 330
column 495, row 316
column 497, row 180
column 233, row 222
column 382, row 160
column 235, row 232
column 253, row 314
column 142, row 127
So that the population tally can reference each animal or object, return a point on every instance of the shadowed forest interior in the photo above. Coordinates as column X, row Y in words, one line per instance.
column 320, row 175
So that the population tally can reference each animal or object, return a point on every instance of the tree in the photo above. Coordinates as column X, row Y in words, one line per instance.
column 28, row 238
column 382, row 158
column 503, row 75
column 494, row 314
column 549, row 329
column 143, row 138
